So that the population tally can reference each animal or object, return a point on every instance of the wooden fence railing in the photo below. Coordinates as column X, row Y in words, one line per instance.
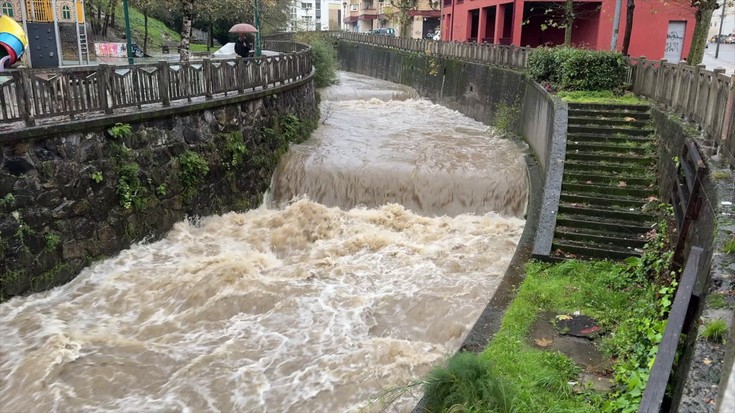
column 30, row 94
column 698, row 95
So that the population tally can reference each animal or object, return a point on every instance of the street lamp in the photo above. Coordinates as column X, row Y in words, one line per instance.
column 719, row 36
column 258, row 49
column 127, row 32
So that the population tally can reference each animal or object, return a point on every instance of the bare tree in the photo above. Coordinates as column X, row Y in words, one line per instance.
column 561, row 16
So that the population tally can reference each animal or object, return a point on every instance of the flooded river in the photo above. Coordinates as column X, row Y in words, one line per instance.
column 405, row 218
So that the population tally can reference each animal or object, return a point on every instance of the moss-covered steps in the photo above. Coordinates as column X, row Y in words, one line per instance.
column 608, row 178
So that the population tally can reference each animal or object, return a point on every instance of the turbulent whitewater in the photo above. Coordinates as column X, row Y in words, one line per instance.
column 319, row 305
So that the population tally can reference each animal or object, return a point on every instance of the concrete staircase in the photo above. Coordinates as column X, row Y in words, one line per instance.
column 608, row 177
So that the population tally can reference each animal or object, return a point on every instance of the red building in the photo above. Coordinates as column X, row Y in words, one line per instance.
column 661, row 28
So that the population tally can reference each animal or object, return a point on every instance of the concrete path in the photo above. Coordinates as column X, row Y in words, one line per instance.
column 726, row 57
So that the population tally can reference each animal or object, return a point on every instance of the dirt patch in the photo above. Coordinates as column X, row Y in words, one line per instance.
column 573, row 335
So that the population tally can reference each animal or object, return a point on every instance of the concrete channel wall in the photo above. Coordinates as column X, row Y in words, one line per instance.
column 498, row 96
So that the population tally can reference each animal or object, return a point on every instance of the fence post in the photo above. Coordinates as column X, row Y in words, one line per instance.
column 163, row 80
column 25, row 94
column 240, row 77
column 207, row 73
column 103, row 86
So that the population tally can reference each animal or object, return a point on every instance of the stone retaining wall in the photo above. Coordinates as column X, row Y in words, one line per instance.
column 69, row 198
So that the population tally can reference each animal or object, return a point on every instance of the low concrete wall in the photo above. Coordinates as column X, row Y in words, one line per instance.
column 489, row 94
column 76, row 193
column 700, row 383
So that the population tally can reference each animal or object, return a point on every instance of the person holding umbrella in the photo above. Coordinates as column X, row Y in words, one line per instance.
column 242, row 47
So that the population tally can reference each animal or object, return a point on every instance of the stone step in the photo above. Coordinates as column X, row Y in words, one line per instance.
column 607, row 213
column 602, row 224
column 572, row 249
column 607, row 146
column 602, row 200
column 601, row 178
column 608, row 114
column 596, row 137
column 603, row 107
column 618, row 131
column 599, row 238
column 610, row 158
column 589, row 189
column 589, row 121
column 594, row 165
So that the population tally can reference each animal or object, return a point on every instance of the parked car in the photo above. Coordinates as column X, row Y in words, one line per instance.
column 385, row 31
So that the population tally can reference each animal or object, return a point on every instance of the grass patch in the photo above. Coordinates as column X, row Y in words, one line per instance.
column 629, row 300
column 158, row 32
column 606, row 96
column 715, row 331
column 729, row 246
column 717, row 301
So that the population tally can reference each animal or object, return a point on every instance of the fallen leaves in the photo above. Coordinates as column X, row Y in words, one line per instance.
column 543, row 342
column 622, row 184
column 563, row 317
column 629, row 119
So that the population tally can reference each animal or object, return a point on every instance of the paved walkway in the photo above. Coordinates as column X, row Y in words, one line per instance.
column 726, row 57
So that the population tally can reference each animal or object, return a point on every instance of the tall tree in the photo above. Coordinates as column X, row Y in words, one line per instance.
column 404, row 8
column 187, row 7
column 703, row 20
column 562, row 16
column 145, row 7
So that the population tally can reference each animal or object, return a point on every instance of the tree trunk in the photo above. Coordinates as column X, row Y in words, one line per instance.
column 145, row 30
column 188, row 10
column 114, row 10
column 628, row 26
column 108, row 14
column 210, row 44
column 703, row 18
column 568, row 22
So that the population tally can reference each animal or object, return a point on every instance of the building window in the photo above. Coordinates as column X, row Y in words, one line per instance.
column 65, row 12
column 7, row 9
column 306, row 6
column 353, row 7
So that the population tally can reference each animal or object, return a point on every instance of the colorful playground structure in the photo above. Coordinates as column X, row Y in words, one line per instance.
column 13, row 42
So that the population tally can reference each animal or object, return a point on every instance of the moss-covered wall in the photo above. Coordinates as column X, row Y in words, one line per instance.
column 69, row 198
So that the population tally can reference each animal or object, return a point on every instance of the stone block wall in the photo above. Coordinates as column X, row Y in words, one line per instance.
column 69, row 198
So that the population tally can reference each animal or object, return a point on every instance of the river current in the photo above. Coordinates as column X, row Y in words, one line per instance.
column 383, row 239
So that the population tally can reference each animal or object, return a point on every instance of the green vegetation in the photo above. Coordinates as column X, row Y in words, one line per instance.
column 7, row 201
column 158, row 32
column 565, row 68
column 507, row 117
column 717, row 175
column 715, row 331
column 729, row 246
column 629, row 300
column 52, row 241
column 600, row 96
column 716, row 300
column 97, row 177
column 234, row 151
column 324, row 57
column 129, row 189
column 193, row 169
column 468, row 381
column 120, row 131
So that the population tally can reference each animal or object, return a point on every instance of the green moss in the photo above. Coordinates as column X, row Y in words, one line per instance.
column 729, row 245
column 49, row 278
column 52, row 241
column 717, row 301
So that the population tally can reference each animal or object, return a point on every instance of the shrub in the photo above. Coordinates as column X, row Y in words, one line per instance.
column 324, row 58
column 578, row 69
column 468, row 381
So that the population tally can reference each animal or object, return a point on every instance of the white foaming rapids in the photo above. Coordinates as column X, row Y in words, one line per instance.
column 304, row 309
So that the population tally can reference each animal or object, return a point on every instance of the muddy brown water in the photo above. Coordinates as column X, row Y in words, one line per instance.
column 408, row 215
